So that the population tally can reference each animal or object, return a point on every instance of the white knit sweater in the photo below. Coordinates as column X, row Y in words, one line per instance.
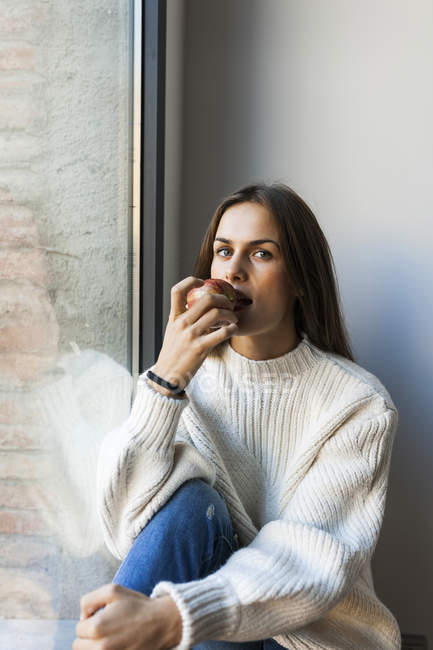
column 300, row 447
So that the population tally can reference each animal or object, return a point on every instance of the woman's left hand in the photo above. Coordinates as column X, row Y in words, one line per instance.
column 129, row 620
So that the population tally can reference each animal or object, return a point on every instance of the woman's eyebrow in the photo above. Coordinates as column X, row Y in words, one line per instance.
column 252, row 243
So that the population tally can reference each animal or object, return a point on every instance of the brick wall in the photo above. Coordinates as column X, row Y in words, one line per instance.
column 28, row 328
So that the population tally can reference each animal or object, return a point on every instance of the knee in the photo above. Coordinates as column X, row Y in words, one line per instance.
column 197, row 500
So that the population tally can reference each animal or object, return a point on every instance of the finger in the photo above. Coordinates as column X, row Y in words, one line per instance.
column 214, row 318
column 213, row 337
column 83, row 644
column 90, row 628
column 89, row 644
column 204, row 304
column 94, row 600
column 179, row 292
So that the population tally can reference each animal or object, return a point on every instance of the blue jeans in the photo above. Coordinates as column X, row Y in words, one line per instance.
column 190, row 537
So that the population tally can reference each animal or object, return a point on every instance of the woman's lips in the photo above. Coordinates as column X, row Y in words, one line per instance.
column 242, row 301
column 241, row 307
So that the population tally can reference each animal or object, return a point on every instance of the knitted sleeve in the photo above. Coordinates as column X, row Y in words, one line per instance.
column 299, row 566
column 141, row 463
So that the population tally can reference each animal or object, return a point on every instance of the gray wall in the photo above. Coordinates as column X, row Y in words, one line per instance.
column 84, row 172
column 335, row 99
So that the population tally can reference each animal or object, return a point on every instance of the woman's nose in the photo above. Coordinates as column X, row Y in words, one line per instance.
column 235, row 269
column 235, row 274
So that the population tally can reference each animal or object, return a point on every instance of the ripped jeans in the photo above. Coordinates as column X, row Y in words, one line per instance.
column 190, row 537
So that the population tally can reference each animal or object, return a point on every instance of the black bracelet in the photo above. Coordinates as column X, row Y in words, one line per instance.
column 174, row 388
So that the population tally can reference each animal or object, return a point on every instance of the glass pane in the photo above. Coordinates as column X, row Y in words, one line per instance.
column 65, row 316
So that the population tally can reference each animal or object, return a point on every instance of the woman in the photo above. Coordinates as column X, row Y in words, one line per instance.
column 247, row 509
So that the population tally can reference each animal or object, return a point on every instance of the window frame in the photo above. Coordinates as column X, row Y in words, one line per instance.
column 148, row 165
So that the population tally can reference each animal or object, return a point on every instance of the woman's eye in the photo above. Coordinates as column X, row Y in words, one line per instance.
column 221, row 249
column 266, row 253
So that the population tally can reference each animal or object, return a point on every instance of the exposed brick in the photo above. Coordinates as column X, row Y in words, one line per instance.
column 16, row 437
column 18, row 551
column 20, row 80
column 26, row 594
column 16, row 18
column 25, row 465
column 27, row 320
column 25, row 522
column 33, row 337
column 20, row 112
column 17, row 407
column 17, row 225
column 18, row 147
column 30, row 496
column 23, row 185
column 16, row 215
column 16, row 56
column 16, row 368
column 18, row 263
column 5, row 194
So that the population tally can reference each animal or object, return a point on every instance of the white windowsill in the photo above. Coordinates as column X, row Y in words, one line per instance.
column 37, row 634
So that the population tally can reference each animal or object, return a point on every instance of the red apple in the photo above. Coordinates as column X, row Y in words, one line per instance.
column 212, row 285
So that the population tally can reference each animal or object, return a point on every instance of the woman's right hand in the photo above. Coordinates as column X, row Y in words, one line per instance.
column 188, row 338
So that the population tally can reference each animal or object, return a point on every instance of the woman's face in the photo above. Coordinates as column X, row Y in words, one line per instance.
column 258, row 270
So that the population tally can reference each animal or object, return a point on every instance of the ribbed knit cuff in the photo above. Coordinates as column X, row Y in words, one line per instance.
column 209, row 608
column 155, row 414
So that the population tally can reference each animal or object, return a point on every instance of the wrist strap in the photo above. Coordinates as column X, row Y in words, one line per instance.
column 174, row 388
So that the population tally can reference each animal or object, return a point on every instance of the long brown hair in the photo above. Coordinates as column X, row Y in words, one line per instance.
column 308, row 259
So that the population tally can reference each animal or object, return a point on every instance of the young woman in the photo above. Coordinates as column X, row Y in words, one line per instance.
column 247, row 509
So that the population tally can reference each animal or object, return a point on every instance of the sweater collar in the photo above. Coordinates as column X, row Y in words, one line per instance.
column 301, row 358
